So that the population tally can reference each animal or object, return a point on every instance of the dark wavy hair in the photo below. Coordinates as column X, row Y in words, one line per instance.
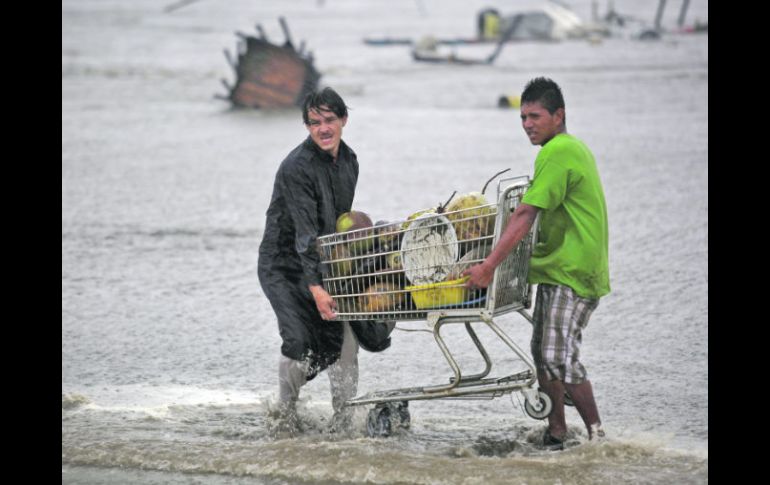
column 546, row 92
column 325, row 97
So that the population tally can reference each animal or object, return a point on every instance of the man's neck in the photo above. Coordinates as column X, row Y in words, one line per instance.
column 560, row 132
column 336, row 152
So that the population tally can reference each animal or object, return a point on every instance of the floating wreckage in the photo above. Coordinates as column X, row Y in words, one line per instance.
column 426, row 51
column 547, row 23
column 270, row 75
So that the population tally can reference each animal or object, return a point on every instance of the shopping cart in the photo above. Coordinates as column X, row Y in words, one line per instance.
column 412, row 270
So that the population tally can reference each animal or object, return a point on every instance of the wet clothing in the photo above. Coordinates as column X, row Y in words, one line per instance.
column 573, row 239
column 343, row 374
column 310, row 192
column 560, row 316
column 343, row 378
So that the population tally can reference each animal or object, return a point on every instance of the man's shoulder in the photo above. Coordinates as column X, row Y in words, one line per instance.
column 303, row 152
column 564, row 142
column 566, row 150
column 298, row 158
column 349, row 149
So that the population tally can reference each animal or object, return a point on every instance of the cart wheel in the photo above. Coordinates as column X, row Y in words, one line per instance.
column 402, row 414
column 544, row 403
column 378, row 422
column 568, row 399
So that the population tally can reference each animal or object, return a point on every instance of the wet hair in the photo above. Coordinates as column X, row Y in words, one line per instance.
column 546, row 92
column 325, row 97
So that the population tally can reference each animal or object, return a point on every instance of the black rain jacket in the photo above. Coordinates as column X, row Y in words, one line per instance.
column 310, row 192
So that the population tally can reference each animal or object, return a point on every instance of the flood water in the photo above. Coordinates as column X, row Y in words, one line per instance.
column 169, row 347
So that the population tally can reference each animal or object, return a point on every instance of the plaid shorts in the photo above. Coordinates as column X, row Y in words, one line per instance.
column 560, row 316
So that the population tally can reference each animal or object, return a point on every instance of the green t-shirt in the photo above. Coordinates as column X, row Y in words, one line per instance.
column 572, row 247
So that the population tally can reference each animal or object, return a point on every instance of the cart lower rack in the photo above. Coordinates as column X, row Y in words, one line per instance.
column 412, row 270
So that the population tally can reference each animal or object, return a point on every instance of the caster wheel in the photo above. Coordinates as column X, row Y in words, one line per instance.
column 568, row 400
column 385, row 417
column 400, row 411
column 378, row 422
column 541, row 409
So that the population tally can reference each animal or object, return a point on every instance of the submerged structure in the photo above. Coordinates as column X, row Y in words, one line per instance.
column 270, row 75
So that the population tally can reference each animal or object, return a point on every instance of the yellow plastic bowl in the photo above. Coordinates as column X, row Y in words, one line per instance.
column 442, row 294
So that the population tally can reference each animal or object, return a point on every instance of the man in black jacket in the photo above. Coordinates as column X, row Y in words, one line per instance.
column 314, row 185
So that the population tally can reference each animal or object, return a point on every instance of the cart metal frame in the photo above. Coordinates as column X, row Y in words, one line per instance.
column 367, row 290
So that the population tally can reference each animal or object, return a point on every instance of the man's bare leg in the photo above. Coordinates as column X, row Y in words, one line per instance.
column 583, row 396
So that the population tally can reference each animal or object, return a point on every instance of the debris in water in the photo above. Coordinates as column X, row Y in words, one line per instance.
column 270, row 75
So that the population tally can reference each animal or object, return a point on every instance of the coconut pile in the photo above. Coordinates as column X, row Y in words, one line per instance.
column 375, row 268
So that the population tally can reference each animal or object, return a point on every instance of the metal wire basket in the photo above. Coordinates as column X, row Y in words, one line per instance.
column 405, row 269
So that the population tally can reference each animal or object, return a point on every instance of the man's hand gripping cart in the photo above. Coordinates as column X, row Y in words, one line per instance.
column 412, row 270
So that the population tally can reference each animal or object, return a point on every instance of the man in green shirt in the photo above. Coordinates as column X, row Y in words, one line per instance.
column 570, row 261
